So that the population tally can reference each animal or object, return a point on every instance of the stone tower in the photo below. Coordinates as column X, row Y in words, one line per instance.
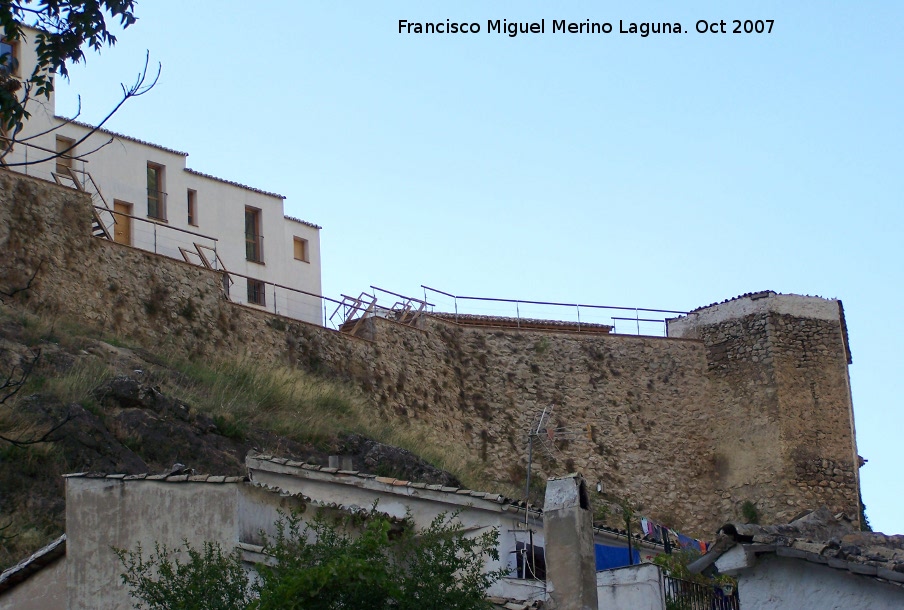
column 778, row 371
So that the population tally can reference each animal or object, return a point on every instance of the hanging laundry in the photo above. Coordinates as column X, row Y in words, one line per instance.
column 608, row 557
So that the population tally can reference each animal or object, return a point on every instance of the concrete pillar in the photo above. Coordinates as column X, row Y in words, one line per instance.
column 568, row 531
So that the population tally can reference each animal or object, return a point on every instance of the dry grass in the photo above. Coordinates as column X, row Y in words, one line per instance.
column 77, row 384
column 244, row 393
column 307, row 408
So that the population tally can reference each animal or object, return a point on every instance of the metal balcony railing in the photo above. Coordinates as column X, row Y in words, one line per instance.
column 686, row 595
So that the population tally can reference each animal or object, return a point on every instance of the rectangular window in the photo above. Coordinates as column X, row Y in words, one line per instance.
column 64, row 160
column 254, row 241
column 9, row 57
column 301, row 249
column 531, row 561
column 156, row 196
column 192, row 208
column 256, row 293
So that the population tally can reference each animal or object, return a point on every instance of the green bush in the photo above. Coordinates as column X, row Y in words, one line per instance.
column 209, row 580
column 364, row 560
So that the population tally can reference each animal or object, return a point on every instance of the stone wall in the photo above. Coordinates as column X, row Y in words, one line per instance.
column 784, row 430
column 740, row 405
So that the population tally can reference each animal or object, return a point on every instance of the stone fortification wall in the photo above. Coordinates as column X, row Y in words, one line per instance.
column 741, row 406
column 784, row 434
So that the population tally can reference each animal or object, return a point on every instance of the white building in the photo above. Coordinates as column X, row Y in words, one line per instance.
column 817, row 561
column 147, row 198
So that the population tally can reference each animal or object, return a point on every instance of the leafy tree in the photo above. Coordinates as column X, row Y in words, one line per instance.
column 209, row 580
column 365, row 561
column 65, row 28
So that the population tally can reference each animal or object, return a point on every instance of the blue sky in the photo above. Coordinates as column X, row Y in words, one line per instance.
column 670, row 171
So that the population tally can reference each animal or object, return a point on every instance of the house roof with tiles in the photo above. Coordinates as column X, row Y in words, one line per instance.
column 195, row 172
column 302, row 222
column 121, row 136
column 821, row 538
column 175, row 477
column 33, row 564
column 522, row 323
column 455, row 495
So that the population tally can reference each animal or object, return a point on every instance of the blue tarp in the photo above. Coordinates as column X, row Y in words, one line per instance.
column 608, row 557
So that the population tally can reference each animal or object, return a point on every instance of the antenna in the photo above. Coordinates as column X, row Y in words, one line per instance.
column 546, row 436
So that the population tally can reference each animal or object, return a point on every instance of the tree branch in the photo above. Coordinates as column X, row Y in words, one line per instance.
column 44, row 438
column 137, row 89
column 27, row 286
column 13, row 383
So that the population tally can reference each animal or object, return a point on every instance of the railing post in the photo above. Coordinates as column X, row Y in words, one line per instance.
column 578, row 307
column 456, row 309
column 517, row 315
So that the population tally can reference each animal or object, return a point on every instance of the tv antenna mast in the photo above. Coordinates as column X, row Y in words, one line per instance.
column 545, row 435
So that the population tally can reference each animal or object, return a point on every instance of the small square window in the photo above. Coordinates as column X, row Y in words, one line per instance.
column 256, row 294
column 301, row 250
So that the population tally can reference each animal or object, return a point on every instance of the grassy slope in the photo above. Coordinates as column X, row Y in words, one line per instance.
column 243, row 399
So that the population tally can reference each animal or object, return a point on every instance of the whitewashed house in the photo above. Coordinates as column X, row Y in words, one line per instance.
column 817, row 561
column 146, row 197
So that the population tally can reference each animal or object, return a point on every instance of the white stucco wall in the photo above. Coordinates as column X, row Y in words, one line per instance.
column 120, row 171
column 781, row 582
column 103, row 513
column 476, row 515
column 106, row 513
column 638, row 587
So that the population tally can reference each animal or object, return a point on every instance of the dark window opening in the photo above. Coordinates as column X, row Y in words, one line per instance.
column 156, row 196
column 192, row 207
column 254, row 247
column 256, row 295
column 531, row 561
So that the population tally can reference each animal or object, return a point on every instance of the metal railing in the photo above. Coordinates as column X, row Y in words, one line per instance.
column 299, row 304
column 160, row 237
column 21, row 163
column 686, row 595
column 579, row 314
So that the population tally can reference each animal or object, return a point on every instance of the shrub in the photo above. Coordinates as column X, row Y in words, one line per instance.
column 362, row 560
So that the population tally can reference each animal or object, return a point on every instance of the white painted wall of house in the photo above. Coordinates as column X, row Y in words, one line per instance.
column 120, row 170
column 639, row 587
column 782, row 582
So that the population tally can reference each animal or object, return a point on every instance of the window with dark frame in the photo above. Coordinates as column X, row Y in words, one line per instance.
column 9, row 56
column 256, row 293
column 254, row 247
column 192, row 207
column 156, row 196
